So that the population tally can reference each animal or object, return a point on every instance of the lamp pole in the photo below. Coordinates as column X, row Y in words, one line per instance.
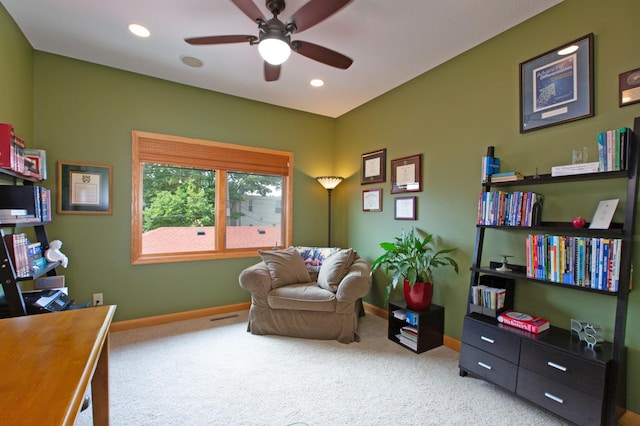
column 329, row 236
column 329, row 182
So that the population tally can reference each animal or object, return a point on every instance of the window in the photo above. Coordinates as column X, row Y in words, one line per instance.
column 196, row 200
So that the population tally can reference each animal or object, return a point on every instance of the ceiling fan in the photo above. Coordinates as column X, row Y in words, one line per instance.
column 274, row 38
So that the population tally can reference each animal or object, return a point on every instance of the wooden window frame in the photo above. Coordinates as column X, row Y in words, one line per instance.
column 221, row 157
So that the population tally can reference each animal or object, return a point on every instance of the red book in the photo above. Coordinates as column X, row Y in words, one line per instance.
column 524, row 321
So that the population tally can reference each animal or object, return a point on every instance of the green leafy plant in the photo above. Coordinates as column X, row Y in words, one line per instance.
column 411, row 258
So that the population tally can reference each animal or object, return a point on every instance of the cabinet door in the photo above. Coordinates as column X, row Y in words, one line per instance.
column 489, row 367
column 575, row 372
column 491, row 339
column 567, row 402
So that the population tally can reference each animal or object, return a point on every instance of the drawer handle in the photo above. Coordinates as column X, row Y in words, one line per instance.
column 557, row 366
column 486, row 339
column 553, row 397
column 483, row 365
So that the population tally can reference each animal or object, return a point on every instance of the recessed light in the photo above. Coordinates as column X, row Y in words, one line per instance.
column 316, row 82
column 191, row 61
column 139, row 30
column 568, row 50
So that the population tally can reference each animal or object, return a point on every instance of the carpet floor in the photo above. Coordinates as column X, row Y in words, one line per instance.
column 210, row 371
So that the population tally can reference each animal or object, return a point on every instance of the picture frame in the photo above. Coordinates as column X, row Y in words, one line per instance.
column 557, row 86
column 629, row 87
column 374, row 167
column 372, row 200
column 84, row 188
column 404, row 208
column 406, row 174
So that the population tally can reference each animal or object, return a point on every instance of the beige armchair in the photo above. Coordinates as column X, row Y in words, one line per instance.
column 289, row 300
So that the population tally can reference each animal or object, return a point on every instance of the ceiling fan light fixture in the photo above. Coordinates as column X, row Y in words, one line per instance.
column 274, row 50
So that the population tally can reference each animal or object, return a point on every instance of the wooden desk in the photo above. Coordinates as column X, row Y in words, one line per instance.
column 47, row 362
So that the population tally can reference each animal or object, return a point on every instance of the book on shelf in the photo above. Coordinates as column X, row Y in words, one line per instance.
column 409, row 332
column 575, row 169
column 506, row 177
column 588, row 262
column 490, row 164
column 17, row 247
column 11, row 149
column 501, row 208
column 523, row 321
column 489, row 297
column 407, row 342
column 613, row 147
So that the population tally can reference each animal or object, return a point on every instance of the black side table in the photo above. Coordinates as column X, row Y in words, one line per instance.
column 428, row 326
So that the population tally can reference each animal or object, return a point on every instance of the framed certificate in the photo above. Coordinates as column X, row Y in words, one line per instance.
column 405, row 208
column 84, row 188
column 406, row 174
column 374, row 167
column 372, row 200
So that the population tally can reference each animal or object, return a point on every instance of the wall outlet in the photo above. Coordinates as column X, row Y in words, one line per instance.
column 97, row 299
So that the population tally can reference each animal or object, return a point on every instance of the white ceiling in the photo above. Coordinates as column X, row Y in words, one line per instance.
column 390, row 43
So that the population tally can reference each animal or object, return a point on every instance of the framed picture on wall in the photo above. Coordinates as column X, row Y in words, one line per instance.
column 629, row 87
column 405, row 208
column 84, row 188
column 372, row 200
column 406, row 174
column 557, row 86
column 374, row 167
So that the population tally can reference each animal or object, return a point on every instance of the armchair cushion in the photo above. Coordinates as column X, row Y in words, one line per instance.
column 285, row 267
column 334, row 268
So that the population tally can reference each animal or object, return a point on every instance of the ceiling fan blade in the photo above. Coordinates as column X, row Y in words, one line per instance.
column 321, row 54
column 314, row 12
column 220, row 39
column 271, row 72
column 249, row 8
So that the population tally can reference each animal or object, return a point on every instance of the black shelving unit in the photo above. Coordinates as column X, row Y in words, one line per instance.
column 430, row 326
column 554, row 369
column 15, row 304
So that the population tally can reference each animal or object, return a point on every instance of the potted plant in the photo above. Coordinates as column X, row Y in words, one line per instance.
column 413, row 260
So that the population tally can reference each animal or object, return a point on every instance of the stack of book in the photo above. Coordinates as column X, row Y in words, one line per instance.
column 506, row 177
column 15, row 156
column 530, row 323
column 501, row 208
column 409, row 337
column 11, row 149
column 581, row 261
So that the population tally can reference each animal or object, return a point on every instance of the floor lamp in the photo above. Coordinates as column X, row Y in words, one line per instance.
column 329, row 182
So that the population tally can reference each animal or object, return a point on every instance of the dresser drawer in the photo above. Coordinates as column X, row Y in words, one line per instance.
column 491, row 339
column 566, row 402
column 489, row 367
column 586, row 376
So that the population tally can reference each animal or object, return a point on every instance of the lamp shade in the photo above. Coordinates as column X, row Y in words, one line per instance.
column 329, row 182
column 274, row 50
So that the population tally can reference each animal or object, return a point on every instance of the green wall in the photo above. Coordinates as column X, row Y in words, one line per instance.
column 84, row 112
column 16, row 77
column 451, row 114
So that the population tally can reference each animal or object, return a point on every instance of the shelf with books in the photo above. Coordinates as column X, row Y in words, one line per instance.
column 418, row 331
column 556, row 259
column 23, row 204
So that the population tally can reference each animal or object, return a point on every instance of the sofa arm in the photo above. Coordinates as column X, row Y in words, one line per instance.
column 356, row 283
column 256, row 279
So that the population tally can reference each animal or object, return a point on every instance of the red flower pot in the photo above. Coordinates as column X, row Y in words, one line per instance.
column 419, row 296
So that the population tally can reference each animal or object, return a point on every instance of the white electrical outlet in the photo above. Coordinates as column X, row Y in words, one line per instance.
column 97, row 299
